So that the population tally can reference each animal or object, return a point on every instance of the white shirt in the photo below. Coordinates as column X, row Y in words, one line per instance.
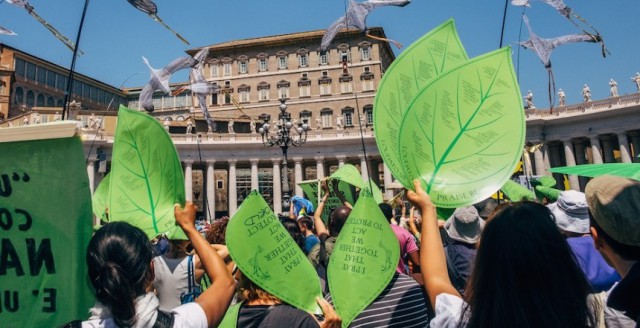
column 187, row 315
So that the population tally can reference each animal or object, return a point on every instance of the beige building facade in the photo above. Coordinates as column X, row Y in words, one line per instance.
column 336, row 100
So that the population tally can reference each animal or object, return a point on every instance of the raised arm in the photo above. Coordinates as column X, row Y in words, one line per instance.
column 317, row 215
column 433, row 262
column 215, row 300
column 412, row 223
column 337, row 192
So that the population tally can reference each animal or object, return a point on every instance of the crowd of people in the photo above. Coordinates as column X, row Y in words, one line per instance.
column 571, row 263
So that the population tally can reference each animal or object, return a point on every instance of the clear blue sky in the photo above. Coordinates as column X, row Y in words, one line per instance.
column 116, row 35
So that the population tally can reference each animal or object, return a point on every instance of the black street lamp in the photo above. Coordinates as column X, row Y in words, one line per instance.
column 284, row 138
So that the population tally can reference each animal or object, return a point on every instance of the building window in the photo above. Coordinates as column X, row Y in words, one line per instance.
column 214, row 96
column 262, row 64
column 263, row 94
column 31, row 71
column 367, row 85
column 367, row 69
column 244, row 96
column 305, row 90
column 220, row 184
column 243, row 67
column 305, row 116
column 283, row 92
column 303, row 60
column 282, row 62
column 344, row 56
column 326, row 116
column 324, row 58
column 365, row 53
column 227, row 98
column 227, row 69
column 325, row 89
column 31, row 98
column 20, row 65
column 244, row 93
column 325, row 73
column 214, row 70
column 18, row 97
column 345, row 87
column 368, row 114
column 51, row 102
column 347, row 116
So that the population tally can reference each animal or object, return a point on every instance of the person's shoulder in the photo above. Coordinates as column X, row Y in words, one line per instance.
column 189, row 315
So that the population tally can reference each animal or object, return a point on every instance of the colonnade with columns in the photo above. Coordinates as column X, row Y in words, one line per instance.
column 297, row 168
column 619, row 146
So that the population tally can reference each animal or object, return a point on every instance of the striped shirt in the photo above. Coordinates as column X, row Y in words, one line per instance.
column 401, row 304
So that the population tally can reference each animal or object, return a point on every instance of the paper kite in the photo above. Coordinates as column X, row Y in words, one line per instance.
column 160, row 79
column 29, row 8
column 200, row 87
column 6, row 31
column 356, row 17
column 149, row 7
column 567, row 12
column 544, row 47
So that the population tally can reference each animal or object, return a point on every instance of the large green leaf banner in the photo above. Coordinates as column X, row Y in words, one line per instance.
column 310, row 189
column 146, row 174
column 265, row 252
column 420, row 64
column 364, row 259
column 99, row 199
column 625, row 170
column 45, row 226
column 463, row 134
column 349, row 174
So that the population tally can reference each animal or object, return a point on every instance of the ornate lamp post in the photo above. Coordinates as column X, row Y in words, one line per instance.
column 284, row 138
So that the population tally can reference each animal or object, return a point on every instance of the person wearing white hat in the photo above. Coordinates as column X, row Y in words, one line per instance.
column 460, row 235
column 572, row 217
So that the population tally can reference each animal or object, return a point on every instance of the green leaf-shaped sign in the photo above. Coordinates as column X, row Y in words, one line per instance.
column 146, row 174
column 463, row 134
column 432, row 55
column 625, row 170
column 99, row 199
column 363, row 261
column 349, row 174
column 517, row 192
column 372, row 190
column 265, row 252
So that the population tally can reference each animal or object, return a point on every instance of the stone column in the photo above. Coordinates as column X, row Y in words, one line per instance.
column 211, row 191
column 388, row 180
column 341, row 160
column 254, row 174
column 232, row 188
column 539, row 162
column 277, row 187
column 635, row 140
column 570, row 160
column 581, row 159
column 364, row 170
column 188, row 180
column 547, row 160
column 91, row 172
column 320, row 167
column 297, row 169
column 625, row 156
column 607, row 150
column 596, row 157
column 555, row 159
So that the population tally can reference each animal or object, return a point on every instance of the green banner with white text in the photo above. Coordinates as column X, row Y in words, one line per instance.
column 45, row 226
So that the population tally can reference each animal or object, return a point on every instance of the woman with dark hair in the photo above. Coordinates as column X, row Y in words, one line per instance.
column 524, row 276
column 294, row 230
column 121, row 270
column 307, row 229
